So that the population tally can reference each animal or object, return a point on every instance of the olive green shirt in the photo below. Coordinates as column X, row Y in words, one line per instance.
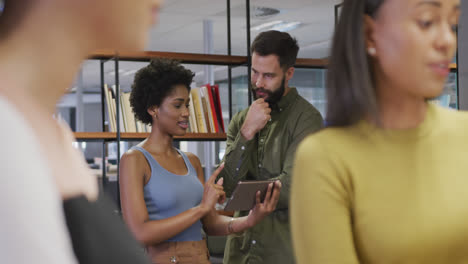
column 269, row 155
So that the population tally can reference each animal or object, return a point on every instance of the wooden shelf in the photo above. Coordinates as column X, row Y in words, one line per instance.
column 311, row 63
column 182, row 57
column 322, row 63
column 108, row 136
column 196, row 58
column 95, row 135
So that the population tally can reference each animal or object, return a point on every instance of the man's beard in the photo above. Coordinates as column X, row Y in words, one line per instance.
column 273, row 97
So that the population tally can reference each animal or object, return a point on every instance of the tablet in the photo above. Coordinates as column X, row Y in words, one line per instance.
column 243, row 197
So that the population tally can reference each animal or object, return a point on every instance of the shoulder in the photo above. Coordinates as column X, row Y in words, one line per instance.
column 305, row 110
column 133, row 165
column 133, row 154
column 451, row 123
column 324, row 158
column 13, row 122
column 330, row 141
column 305, row 107
column 133, row 157
column 316, row 164
column 193, row 159
column 26, row 149
column 304, row 116
column 451, row 115
column 312, row 145
column 26, row 180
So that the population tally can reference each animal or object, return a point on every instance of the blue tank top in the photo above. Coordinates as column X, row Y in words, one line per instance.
column 167, row 194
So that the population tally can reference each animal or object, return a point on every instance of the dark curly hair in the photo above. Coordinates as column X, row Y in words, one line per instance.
column 154, row 82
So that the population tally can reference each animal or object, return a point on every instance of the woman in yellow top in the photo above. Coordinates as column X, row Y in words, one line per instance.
column 387, row 181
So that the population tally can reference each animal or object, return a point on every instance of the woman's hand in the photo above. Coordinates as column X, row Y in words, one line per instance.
column 269, row 204
column 213, row 192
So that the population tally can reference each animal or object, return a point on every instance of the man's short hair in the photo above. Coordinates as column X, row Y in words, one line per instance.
column 277, row 43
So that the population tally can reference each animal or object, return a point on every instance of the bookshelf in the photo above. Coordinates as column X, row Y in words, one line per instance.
column 112, row 136
column 311, row 63
column 196, row 58
column 189, row 58
column 146, row 56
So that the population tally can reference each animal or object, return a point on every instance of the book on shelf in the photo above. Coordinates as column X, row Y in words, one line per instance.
column 213, row 117
column 217, row 106
column 110, row 105
column 128, row 113
column 122, row 123
column 204, row 108
column 192, row 118
column 207, row 109
column 199, row 115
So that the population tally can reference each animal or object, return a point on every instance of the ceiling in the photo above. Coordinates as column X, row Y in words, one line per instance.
column 181, row 29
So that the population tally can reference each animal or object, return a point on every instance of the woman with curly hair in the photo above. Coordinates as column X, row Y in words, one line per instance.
column 164, row 198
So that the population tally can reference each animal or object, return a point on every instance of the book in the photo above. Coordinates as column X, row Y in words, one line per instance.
column 200, row 116
column 204, row 108
column 192, row 118
column 119, row 108
column 213, row 110
column 130, row 123
column 207, row 109
column 217, row 103
column 123, row 115
column 110, row 111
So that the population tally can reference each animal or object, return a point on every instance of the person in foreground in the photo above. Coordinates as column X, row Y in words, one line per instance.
column 51, row 210
column 165, row 200
column 261, row 143
column 386, row 181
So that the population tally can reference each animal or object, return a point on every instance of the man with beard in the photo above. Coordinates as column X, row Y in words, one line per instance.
column 261, row 143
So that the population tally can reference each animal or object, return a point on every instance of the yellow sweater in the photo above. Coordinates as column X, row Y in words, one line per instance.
column 367, row 195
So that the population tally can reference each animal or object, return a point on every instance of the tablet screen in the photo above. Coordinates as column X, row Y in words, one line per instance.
column 243, row 197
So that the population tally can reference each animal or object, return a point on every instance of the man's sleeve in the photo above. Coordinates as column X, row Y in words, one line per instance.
column 305, row 126
column 239, row 153
column 32, row 225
